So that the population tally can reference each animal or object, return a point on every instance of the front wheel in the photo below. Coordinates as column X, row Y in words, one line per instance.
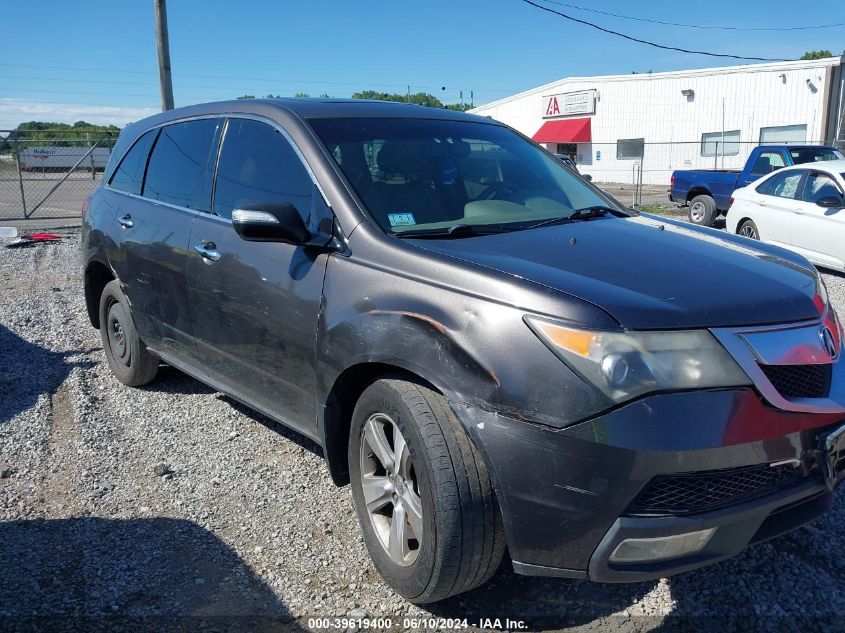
column 422, row 493
column 749, row 229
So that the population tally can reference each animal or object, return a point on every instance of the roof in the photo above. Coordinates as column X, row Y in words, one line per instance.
column 833, row 166
column 319, row 108
column 699, row 72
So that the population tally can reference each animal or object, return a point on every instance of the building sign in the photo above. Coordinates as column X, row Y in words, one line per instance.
column 583, row 102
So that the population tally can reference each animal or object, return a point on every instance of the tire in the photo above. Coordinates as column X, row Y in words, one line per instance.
column 128, row 357
column 463, row 540
column 749, row 229
column 702, row 210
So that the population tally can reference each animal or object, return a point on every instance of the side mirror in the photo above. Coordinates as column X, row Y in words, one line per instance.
column 830, row 202
column 279, row 222
column 588, row 177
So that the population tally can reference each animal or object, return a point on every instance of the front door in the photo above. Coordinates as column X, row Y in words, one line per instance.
column 819, row 232
column 255, row 305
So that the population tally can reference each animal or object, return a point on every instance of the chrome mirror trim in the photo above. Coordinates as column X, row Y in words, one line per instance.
column 253, row 216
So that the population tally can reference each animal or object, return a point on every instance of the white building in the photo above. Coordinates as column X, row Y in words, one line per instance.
column 616, row 125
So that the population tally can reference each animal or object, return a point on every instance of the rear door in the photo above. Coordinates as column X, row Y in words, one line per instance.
column 255, row 304
column 819, row 232
column 776, row 202
column 153, row 229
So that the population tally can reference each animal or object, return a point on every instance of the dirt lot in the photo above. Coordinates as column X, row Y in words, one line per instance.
column 173, row 508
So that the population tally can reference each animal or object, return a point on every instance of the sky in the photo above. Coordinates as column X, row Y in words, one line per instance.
column 96, row 61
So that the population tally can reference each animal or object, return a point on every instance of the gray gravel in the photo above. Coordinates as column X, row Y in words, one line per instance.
column 172, row 501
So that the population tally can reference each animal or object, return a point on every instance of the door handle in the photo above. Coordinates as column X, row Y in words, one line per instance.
column 208, row 251
column 762, row 203
column 126, row 221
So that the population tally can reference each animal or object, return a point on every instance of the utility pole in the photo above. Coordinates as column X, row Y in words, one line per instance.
column 163, row 45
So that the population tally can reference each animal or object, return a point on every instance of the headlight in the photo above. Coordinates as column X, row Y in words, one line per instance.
column 624, row 365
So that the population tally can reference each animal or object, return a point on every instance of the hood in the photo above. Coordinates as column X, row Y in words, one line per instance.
column 652, row 273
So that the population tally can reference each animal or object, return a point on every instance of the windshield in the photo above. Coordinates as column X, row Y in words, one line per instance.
column 802, row 155
column 415, row 174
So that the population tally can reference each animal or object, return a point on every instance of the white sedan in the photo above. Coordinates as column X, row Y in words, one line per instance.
column 801, row 208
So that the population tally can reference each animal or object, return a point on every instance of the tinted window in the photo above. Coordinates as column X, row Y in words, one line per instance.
column 820, row 186
column 129, row 176
column 258, row 166
column 812, row 154
column 433, row 174
column 180, row 163
column 767, row 162
column 783, row 185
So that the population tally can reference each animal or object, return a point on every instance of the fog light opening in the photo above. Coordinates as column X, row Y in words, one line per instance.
column 647, row 550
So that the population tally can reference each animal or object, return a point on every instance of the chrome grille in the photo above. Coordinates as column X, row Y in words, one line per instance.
column 800, row 381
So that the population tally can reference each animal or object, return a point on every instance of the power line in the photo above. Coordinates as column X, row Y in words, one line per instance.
column 364, row 85
column 647, row 42
column 697, row 26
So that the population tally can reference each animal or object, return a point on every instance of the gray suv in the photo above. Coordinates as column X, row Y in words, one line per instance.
column 488, row 348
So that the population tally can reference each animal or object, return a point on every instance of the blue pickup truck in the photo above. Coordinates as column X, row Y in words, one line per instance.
column 707, row 192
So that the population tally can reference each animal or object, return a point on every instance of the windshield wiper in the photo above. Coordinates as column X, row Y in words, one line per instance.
column 456, row 230
column 595, row 211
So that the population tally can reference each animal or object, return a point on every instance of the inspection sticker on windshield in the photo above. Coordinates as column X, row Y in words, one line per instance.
column 401, row 219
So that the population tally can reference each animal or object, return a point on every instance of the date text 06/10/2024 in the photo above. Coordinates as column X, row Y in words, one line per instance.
column 497, row 624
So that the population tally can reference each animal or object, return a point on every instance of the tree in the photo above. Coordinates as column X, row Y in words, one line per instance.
column 247, row 97
column 420, row 98
column 80, row 134
column 820, row 54
column 301, row 95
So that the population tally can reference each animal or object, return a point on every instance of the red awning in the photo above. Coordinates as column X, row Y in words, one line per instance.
column 564, row 131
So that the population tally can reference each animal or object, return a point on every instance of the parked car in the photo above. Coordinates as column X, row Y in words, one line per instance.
column 527, row 365
column 566, row 160
column 801, row 208
column 707, row 191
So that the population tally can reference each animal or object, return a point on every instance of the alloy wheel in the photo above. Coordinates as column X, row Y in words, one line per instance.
column 696, row 212
column 748, row 231
column 391, row 489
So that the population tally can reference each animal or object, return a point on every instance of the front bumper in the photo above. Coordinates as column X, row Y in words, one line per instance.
column 565, row 494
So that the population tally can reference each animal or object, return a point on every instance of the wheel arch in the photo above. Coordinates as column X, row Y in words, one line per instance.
column 697, row 190
column 336, row 415
column 97, row 275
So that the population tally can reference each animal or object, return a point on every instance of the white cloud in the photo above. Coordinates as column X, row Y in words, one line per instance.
column 15, row 111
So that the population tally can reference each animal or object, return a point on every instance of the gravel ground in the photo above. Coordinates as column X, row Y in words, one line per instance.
column 172, row 507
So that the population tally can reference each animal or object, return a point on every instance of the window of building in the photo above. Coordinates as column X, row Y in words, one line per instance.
column 258, row 166
column 783, row 134
column 630, row 148
column 719, row 144
column 129, row 175
column 179, row 166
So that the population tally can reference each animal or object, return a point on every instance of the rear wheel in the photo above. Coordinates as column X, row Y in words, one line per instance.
column 128, row 357
column 422, row 493
column 702, row 210
column 749, row 229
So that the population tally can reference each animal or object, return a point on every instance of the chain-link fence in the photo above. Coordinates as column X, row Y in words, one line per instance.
column 639, row 173
column 46, row 174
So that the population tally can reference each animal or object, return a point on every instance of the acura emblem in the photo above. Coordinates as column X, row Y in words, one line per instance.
column 828, row 342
